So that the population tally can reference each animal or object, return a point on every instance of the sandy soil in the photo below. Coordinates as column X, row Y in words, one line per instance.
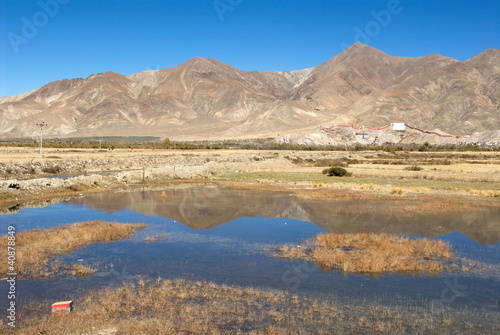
column 447, row 181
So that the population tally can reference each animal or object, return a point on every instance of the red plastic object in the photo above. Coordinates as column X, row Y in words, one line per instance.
column 62, row 306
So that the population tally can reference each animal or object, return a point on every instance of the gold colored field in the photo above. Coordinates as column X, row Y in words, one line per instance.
column 374, row 173
column 35, row 247
column 184, row 307
column 372, row 253
column 25, row 155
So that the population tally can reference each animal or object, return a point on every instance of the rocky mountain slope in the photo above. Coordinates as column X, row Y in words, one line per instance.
column 204, row 98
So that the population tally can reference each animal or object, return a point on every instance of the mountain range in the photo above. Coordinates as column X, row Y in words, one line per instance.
column 206, row 99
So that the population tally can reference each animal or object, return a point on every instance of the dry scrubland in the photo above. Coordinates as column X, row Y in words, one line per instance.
column 34, row 248
column 372, row 253
column 183, row 307
column 374, row 173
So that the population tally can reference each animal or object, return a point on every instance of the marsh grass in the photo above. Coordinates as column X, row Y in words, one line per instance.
column 373, row 253
column 81, row 270
column 155, row 238
column 484, row 193
column 34, row 248
column 185, row 307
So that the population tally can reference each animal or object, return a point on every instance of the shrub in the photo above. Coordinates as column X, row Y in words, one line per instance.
column 54, row 169
column 414, row 168
column 337, row 171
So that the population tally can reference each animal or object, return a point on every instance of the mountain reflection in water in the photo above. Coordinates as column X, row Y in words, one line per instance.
column 208, row 206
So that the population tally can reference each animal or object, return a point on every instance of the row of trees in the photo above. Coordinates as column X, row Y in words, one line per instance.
column 253, row 144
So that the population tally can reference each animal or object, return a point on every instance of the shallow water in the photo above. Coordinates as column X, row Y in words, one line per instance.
column 222, row 235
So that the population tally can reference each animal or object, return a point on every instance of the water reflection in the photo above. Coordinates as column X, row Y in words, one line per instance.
column 205, row 207
column 217, row 234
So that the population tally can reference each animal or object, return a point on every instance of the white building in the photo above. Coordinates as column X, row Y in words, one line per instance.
column 398, row 126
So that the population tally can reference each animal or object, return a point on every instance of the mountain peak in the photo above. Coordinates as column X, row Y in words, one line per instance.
column 358, row 46
column 357, row 53
column 202, row 64
column 360, row 85
column 198, row 60
column 490, row 56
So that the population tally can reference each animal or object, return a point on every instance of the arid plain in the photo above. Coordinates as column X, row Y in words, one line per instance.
column 455, row 176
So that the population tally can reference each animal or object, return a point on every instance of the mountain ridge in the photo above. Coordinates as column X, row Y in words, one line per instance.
column 205, row 98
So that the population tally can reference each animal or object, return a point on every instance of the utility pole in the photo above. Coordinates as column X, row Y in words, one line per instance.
column 41, row 124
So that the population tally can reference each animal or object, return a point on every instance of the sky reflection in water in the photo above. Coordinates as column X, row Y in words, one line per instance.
column 222, row 235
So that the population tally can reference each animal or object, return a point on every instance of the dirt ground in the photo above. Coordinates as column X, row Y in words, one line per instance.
column 443, row 180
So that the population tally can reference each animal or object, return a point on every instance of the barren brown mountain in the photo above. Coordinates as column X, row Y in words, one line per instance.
column 204, row 98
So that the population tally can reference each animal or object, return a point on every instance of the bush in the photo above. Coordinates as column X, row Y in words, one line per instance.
column 414, row 168
column 337, row 171
column 54, row 169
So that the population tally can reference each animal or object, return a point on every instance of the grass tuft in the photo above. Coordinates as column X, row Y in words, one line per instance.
column 185, row 307
column 82, row 270
column 397, row 190
column 421, row 189
column 34, row 248
column 155, row 238
column 483, row 193
column 372, row 253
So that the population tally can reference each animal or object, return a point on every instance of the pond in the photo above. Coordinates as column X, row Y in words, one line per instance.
column 211, row 233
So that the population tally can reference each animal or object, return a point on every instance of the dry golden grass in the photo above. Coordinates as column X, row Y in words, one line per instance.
column 484, row 193
column 183, row 307
column 397, row 190
column 438, row 178
column 82, row 270
column 372, row 253
column 421, row 190
column 155, row 238
column 35, row 247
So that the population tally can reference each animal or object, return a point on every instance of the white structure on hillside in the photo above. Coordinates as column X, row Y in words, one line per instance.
column 398, row 126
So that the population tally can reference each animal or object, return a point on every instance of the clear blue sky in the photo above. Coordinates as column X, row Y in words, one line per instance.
column 83, row 37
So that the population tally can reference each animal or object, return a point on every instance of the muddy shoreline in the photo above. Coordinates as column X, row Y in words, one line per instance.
column 466, row 181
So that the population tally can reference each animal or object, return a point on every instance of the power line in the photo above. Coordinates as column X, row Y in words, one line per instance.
column 41, row 124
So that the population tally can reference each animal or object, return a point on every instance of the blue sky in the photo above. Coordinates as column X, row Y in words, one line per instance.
column 46, row 40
